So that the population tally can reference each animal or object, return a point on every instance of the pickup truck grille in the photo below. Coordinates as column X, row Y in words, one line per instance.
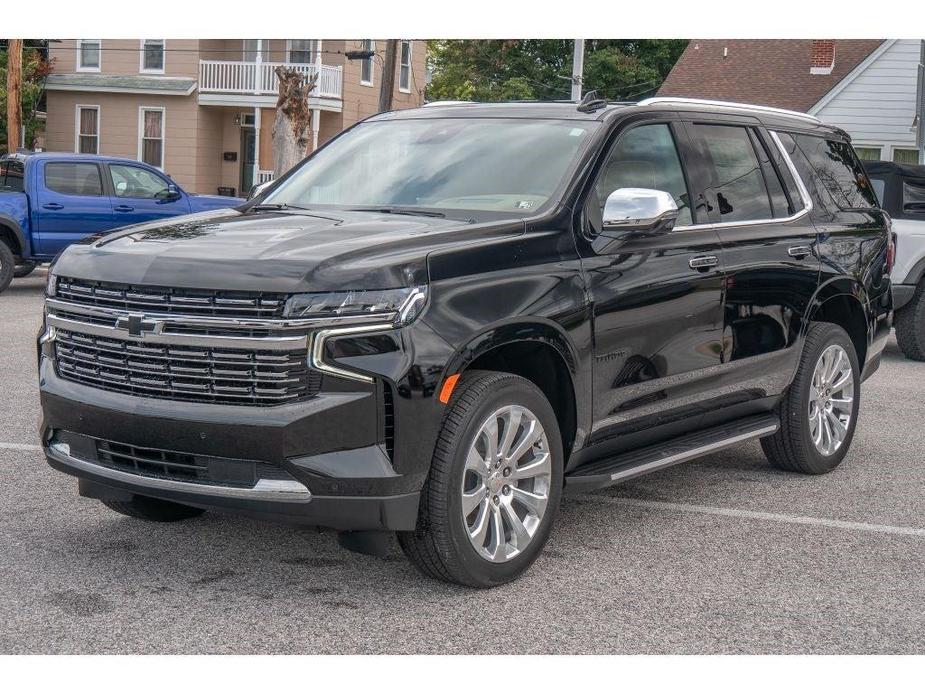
column 189, row 302
column 195, row 374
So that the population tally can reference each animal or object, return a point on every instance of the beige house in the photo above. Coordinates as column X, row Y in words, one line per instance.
column 203, row 110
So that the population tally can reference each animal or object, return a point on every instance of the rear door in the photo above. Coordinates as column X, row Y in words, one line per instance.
column 141, row 195
column 769, row 249
column 71, row 204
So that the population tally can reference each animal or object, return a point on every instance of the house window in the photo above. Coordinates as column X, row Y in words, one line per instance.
column 905, row 156
column 868, row 153
column 88, row 55
column 250, row 50
column 87, row 130
column 152, row 55
column 366, row 68
column 404, row 74
column 151, row 136
column 301, row 51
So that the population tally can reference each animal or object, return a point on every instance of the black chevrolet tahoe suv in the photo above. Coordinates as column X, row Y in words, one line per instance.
column 446, row 316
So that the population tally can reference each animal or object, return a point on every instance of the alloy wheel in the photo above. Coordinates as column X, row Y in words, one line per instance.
column 831, row 400
column 505, row 486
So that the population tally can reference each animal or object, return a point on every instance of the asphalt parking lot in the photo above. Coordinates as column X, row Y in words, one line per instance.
column 723, row 555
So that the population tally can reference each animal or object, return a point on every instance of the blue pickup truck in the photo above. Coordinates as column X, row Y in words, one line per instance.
column 50, row 200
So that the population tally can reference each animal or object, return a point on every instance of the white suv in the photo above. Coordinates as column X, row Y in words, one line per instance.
column 901, row 189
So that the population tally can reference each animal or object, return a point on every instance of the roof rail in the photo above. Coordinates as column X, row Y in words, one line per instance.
column 726, row 104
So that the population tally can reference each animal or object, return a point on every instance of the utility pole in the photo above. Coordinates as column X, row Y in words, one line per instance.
column 14, row 95
column 578, row 67
column 388, row 75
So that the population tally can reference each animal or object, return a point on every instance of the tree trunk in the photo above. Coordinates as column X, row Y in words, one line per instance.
column 14, row 95
column 292, row 127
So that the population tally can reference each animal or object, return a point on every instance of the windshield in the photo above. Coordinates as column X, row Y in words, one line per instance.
column 499, row 165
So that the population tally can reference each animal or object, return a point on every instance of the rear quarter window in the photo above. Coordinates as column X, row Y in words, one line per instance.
column 839, row 171
column 914, row 196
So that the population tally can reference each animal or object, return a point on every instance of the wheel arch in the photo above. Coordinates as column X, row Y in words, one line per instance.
column 843, row 302
column 539, row 351
column 12, row 234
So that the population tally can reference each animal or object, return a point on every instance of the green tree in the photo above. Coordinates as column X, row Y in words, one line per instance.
column 502, row 70
column 34, row 71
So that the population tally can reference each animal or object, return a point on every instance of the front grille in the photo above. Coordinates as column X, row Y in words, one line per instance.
column 185, row 467
column 195, row 374
column 188, row 302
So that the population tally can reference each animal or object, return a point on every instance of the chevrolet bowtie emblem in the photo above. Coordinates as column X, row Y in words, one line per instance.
column 136, row 324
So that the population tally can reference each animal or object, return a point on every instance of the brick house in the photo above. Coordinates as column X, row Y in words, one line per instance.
column 866, row 87
column 203, row 110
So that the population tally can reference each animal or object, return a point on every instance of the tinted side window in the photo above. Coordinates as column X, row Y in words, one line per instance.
column 780, row 205
column 839, row 171
column 12, row 175
column 646, row 157
column 914, row 196
column 741, row 194
column 73, row 178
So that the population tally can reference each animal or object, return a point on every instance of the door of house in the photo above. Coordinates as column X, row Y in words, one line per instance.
column 248, row 159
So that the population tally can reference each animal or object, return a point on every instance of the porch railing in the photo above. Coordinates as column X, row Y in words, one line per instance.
column 264, row 176
column 241, row 77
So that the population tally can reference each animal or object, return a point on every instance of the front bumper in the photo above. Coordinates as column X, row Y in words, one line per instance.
column 289, row 502
column 334, row 470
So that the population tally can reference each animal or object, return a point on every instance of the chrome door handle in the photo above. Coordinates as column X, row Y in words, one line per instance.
column 703, row 262
column 799, row 251
column 53, row 206
column 123, row 208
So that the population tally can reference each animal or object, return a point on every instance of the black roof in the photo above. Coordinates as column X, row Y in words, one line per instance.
column 889, row 168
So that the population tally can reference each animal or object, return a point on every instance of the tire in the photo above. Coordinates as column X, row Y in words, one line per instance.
column 793, row 447
column 910, row 326
column 440, row 546
column 149, row 509
column 7, row 266
column 24, row 269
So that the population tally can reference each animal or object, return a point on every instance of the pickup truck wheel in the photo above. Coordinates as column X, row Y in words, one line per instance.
column 146, row 508
column 7, row 266
column 910, row 326
column 818, row 413
column 494, row 486
column 24, row 269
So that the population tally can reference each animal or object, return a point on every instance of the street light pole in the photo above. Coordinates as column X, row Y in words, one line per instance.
column 578, row 65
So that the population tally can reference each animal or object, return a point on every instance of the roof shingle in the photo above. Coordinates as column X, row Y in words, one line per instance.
column 761, row 71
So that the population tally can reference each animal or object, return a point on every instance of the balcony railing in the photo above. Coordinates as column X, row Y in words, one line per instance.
column 240, row 77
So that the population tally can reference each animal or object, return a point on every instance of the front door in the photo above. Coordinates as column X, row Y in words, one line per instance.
column 657, row 315
column 140, row 194
column 71, row 204
column 248, row 159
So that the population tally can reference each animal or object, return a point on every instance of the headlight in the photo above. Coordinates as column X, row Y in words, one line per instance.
column 51, row 283
column 401, row 306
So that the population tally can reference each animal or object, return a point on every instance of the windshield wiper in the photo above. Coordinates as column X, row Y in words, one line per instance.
column 399, row 210
column 263, row 207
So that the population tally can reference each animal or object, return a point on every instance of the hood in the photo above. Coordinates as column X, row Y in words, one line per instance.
column 275, row 251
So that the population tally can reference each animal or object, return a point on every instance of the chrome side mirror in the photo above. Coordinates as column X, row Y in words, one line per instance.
column 258, row 189
column 641, row 210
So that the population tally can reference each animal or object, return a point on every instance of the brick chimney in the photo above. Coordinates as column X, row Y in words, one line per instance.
column 822, row 58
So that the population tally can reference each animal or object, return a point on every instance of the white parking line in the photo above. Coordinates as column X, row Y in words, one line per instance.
column 20, row 446
column 757, row 515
